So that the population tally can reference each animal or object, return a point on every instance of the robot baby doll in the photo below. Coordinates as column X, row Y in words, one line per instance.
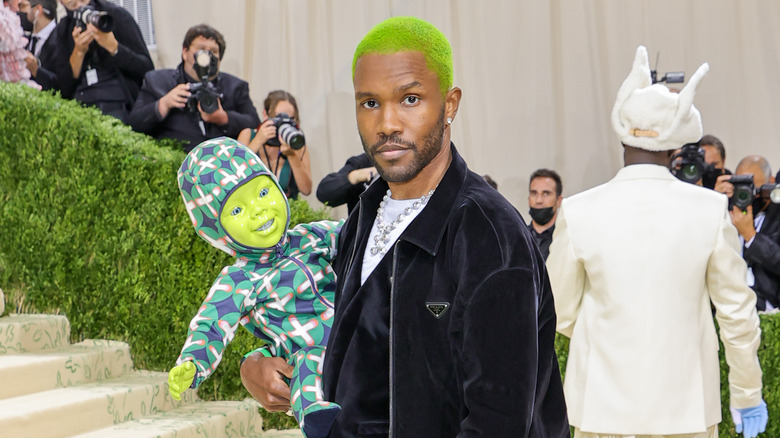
column 280, row 287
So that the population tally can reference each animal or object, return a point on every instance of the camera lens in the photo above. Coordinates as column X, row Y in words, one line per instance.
column 742, row 197
column 690, row 172
column 208, row 102
column 292, row 136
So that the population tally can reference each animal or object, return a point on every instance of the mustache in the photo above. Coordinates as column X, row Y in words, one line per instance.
column 393, row 138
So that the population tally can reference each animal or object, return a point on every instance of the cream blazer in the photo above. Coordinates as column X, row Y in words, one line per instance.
column 634, row 264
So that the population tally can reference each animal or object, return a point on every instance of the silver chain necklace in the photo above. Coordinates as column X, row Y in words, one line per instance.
column 383, row 236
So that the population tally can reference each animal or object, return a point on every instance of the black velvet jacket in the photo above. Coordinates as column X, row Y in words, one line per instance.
column 763, row 256
column 462, row 321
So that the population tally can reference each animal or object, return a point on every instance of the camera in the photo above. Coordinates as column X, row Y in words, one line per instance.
column 692, row 165
column 745, row 192
column 204, row 92
column 287, row 129
column 88, row 15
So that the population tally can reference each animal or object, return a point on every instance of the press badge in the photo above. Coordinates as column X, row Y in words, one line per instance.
column 92, row 78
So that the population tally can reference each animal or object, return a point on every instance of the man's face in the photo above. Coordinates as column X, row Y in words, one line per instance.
column 198, row 44
column 400, row 113
column 255, row 214
column 72, row 5
column 759, row 178
column 712, row 156
column 542, row 194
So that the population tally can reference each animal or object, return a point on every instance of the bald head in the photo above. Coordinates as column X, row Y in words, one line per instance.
column 757, row 166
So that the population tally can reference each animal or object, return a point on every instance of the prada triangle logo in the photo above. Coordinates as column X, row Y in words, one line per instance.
column 437, row 309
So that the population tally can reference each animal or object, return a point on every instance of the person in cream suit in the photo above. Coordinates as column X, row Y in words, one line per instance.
column 634, row 265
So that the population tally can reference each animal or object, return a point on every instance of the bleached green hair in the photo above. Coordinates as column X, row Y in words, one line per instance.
column 410, row 34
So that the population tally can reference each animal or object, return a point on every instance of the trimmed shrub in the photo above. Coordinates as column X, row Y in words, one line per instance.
column 92, row 225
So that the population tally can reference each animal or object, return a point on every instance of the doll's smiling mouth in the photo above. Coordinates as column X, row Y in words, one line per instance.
column 266, row 225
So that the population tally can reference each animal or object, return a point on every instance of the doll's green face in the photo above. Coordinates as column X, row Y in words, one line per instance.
column 255, row 214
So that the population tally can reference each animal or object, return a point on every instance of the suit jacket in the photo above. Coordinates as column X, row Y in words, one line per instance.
column 633, row 265
column 183, row 125
column 763, row 256
column 46, row 77
column 131, row 61
column 335, row 188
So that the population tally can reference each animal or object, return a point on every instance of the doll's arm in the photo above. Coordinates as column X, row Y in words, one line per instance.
column 328, row 232
column 180, row 378
column 230, row 299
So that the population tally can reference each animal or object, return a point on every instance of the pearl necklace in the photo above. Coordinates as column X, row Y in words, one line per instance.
column 381, row 238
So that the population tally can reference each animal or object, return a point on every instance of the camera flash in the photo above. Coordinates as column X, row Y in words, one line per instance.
column 203, row 59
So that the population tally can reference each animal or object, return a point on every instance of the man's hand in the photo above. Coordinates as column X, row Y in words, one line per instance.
column 82, row 40
column 106, row 40
column 176, row 98
column 262, row 377
column 743, row 220
column 363, row 175
column 180, row 378
column 32, row 63
column 722, row 185
column 218, row 117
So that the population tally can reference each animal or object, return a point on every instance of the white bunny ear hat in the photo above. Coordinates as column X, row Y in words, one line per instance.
column 649, row 116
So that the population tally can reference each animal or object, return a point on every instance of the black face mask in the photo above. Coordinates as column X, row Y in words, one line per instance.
column 27, row 25
column 541, row 215
column 759, row 204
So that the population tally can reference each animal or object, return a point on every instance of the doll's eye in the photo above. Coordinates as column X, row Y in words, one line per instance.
column 235, row 211
column 263, row 192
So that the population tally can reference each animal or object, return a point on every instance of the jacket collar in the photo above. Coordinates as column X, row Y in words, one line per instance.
column 427, row 230
column 644, row 171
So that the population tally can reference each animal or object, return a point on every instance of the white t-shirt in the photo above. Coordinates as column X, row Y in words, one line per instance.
column 393, row 208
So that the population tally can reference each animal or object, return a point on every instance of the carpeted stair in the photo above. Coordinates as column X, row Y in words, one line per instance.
column 51, row 388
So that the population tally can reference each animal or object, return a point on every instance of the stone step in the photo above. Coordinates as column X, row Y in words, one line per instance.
column 212, row 419
column 88, row 361
column 69, row 411
column 24, row 333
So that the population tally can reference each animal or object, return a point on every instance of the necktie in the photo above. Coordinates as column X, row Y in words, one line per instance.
column 33, row 43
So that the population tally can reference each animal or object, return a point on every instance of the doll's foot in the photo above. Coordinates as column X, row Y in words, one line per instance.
column 318, row 419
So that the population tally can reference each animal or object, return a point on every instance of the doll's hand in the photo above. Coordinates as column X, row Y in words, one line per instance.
column 180, row 378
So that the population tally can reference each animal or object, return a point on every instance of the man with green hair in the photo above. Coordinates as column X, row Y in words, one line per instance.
column 444, row 322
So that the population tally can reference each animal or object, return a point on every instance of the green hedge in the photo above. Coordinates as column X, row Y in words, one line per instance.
column 92, row 226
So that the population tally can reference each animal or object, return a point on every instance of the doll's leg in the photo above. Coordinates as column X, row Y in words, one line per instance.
column 314, row 414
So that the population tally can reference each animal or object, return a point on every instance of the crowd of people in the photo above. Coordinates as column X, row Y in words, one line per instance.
column 446, row 300
column 107, row 66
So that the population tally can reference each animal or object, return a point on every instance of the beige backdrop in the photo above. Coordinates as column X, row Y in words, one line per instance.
column 538, row 77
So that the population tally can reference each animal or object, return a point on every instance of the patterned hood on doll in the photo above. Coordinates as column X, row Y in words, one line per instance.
column 208, row 175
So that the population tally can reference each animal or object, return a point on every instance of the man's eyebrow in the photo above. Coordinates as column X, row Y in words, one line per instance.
column 401, row 88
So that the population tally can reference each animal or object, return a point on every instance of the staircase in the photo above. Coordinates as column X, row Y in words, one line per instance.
column 51, row 388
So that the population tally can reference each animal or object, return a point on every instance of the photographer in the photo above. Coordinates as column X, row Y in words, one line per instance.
column 346, row 185
column 759, row 230
column 41, row 48
column 289, row 162
column 701, row 163
column 102, row 68
column 170, row 107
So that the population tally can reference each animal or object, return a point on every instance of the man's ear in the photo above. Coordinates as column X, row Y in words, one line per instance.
column 183, row 53
column 452, row 102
